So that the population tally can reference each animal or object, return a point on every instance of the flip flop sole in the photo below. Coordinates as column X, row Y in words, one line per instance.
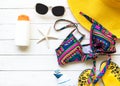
column 83, row 78
column 112, row 75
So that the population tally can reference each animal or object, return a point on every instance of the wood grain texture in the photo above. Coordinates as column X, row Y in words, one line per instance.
column 8, row 47
column 34, row 78
column 34, row 66
column 44, row 63
column 30, row 4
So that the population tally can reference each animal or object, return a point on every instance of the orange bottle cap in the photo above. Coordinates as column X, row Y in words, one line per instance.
column 23, row 17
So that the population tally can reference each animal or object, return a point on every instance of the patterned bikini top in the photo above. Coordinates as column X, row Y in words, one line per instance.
column 101, row 40
column 70, row 50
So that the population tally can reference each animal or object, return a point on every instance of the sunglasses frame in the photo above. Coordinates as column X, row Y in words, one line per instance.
column 50, row 8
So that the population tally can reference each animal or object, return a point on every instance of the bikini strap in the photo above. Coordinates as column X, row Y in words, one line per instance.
column 93, row 72
column 72, row 24
column 102, row 72
column 88, row 18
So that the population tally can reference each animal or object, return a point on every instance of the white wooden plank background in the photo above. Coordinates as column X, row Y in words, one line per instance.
column 35, row 66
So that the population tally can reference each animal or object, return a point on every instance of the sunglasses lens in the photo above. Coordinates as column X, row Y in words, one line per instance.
column 58, row 11
column 41, row 9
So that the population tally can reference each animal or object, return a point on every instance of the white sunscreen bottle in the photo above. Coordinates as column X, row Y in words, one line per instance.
column 22, row 33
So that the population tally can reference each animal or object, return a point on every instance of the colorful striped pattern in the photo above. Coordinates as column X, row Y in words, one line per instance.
column 71, row 51
column 102, row 42
column 99, row 76
column 102, row 72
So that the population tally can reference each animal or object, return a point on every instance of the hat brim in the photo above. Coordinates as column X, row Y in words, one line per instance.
column 106, row 15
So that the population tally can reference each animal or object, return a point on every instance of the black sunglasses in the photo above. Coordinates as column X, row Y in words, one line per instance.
column 43, row 9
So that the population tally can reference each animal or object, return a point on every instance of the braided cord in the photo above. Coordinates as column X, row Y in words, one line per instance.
column 93, row 72
column 101, row 74
column 101, row 50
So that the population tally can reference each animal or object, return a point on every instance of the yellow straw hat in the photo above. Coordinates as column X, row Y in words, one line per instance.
column 106, row 12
